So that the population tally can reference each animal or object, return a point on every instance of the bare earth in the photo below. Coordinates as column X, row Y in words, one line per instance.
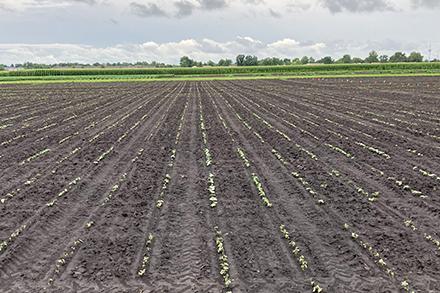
column 306, row 185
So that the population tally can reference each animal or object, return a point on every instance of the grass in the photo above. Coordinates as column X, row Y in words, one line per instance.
column 292, row 69
column 219, row 73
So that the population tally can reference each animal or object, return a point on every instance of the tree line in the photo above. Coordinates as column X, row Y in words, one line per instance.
column 251, row 60
column 140, row 64
column 240, row 60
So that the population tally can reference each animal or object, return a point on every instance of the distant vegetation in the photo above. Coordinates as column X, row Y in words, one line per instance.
column 141, row 64
column 250, row 60
column 240, row 60
column 244, row 67
column 176, row 71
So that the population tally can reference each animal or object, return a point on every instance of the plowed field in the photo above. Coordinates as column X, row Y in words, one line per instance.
column 221, row 186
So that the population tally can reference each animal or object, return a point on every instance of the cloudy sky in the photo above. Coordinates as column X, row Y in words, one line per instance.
column 51, row 31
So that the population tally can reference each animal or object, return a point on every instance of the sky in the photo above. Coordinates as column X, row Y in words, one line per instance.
column 88, row 31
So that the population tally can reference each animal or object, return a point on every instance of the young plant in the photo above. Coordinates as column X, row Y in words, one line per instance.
column 261, row 191
column 223, row 259
column 211, row 190
column 147, row 255
column 243, row 157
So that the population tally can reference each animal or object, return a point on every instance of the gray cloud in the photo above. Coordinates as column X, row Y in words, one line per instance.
column 254, row 1
column 184, row 8
column 89, row 2
column 274, row 13
column 4, row 7
column 425, row 3
column 47, row 2
column 298, row 5
column 147, row 10
column 357, row 6
column 213, row 4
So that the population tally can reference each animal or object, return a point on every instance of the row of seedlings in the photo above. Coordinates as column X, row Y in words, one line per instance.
column 160, row 201
column 89, row 224
column 223, row 260
column 373, row 197
column 315, row 287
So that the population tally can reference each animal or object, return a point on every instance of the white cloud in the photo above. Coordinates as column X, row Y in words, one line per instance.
column 203, row 50
column 90, row 30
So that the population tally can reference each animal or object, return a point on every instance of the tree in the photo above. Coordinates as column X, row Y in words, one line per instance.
column 266, row 62
column 398, row 57
column 296, row 61
column 312, row 60
column 373, row 57
column 274, row 61
column 185, row 61
column 225, row 62
column 383, row 58
column 210, row 63
column 240, row 60
column 305, row 60
column 326, row 60
column 415, row 57
column 250, row 60
column 357, row 60
column 345, row 59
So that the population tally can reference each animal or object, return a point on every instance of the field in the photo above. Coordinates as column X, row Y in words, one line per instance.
column 218, row 73
column 311, row 185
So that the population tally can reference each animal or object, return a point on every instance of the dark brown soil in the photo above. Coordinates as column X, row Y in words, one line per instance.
column 350, row 166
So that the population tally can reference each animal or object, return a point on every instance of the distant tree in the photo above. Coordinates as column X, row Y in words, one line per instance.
column 210, row 63
column 373, row 57
column 2, row 67
column 185, row 61
column 240, row 60
column 326, row 60
column 266, row 62
column 274, row 61
column 398, row 57
column 357, row 60
column 296, row 61
column 345, row 59
column 277, row 61
column 250, row 60
column 312, row 60
column 305, row 60
column 415, row 57
column 30, row 65
column 383, row 58
column 225, row 62
column 142, row 63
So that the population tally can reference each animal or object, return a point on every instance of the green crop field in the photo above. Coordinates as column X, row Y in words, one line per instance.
column 233, row 72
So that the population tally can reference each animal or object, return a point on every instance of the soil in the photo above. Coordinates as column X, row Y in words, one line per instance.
column 351, row 168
